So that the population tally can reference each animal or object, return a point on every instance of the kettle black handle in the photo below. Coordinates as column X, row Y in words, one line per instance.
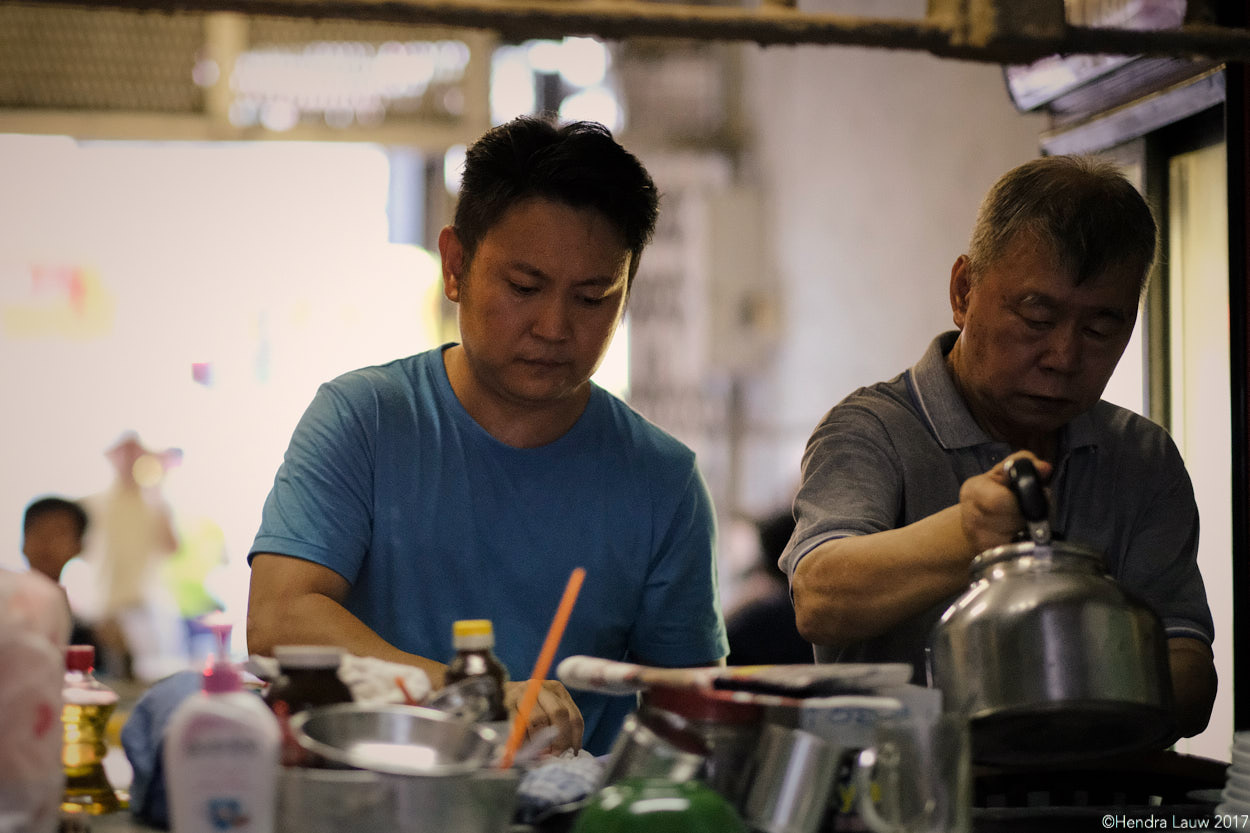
column 1025, row 483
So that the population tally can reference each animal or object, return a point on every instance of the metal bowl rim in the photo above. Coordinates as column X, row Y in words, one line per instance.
column 342, row 756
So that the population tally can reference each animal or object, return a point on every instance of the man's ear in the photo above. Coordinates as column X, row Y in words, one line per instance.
column 452, row 254
column 961, row 286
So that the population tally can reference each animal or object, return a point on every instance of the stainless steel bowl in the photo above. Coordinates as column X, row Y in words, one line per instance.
column 650, row 749
column 394, row 739
column 339, row 800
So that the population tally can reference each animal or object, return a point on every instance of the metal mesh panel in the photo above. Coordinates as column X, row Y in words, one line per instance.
column 109, row 60
column 65, row 58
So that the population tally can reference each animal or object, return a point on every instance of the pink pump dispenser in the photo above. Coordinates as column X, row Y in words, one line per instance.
column 221, row 676
column 222, row 753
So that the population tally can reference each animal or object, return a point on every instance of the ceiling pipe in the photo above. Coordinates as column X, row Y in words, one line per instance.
column 991, row 31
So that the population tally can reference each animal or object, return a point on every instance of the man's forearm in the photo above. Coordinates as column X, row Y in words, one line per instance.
column 1194, row 682
column 316, row 619
column 858, row 587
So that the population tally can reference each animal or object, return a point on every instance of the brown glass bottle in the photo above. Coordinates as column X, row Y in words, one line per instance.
column 309, row 679
column 474, row 641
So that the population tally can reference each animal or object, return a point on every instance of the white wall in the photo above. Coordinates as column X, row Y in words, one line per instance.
column 1198, row 293
column 872, row 164
column 269, row 261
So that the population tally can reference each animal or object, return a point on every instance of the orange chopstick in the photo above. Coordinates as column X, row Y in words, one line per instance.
column 403, row 689
column 530, row 696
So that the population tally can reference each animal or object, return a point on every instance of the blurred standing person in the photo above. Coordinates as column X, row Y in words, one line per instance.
column 761, row 626
column 201, row 553
column 131, row 531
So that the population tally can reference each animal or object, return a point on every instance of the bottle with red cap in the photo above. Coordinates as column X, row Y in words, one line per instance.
column 87, row 706
column 221, row 752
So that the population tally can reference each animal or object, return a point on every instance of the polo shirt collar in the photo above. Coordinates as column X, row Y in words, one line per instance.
column 943, row 408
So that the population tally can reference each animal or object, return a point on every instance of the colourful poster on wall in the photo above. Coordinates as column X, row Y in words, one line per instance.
column 58, row 301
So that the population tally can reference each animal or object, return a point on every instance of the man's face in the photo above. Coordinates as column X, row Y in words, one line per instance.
column 542, row 298
column 51, row 541
column 1035, row 349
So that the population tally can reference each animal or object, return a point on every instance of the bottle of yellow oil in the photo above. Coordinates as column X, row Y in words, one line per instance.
column 87, row 705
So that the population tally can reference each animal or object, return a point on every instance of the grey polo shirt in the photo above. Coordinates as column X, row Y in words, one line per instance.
column 896, row 452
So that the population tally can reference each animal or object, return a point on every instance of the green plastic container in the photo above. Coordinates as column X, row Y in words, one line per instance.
column 649, row 805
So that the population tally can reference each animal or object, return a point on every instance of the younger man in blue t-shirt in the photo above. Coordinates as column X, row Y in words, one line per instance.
column 468, row 481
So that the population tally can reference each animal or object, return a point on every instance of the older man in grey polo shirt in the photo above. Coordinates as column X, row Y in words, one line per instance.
column 902, row 481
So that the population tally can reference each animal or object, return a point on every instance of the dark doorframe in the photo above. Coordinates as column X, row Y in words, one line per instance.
column 1237, row 137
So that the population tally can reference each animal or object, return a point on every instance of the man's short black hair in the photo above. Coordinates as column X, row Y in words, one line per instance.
column 50, row 505
column 578, row 164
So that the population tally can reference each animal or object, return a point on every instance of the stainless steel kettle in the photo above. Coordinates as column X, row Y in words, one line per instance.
column 1046, row 655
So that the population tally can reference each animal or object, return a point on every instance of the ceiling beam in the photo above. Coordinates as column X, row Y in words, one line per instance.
column 981, row 30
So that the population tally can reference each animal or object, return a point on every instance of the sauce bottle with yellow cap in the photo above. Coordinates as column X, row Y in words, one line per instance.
column 474, row 641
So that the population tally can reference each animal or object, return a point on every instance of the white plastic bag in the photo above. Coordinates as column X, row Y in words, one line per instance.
column 34, row 629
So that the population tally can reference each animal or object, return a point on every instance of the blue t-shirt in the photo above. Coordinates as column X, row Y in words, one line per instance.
column 390, row 482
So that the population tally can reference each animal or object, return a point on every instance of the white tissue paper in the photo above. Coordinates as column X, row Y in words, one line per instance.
column 374, row 681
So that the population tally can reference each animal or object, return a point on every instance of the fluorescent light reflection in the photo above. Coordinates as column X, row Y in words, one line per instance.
column 583, row 61
column 583, row 66
column 596, row 104
column 342, row 81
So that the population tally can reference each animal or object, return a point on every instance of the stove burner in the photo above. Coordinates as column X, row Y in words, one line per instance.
column 1050, row 798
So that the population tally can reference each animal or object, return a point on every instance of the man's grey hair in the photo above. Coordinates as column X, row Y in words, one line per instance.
column 1081, row 209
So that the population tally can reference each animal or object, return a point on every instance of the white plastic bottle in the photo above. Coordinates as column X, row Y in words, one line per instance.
column 222, row 758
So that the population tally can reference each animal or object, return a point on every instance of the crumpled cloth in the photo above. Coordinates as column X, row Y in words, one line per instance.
column 555, row 782
column 142, row 737
column 376, row 681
